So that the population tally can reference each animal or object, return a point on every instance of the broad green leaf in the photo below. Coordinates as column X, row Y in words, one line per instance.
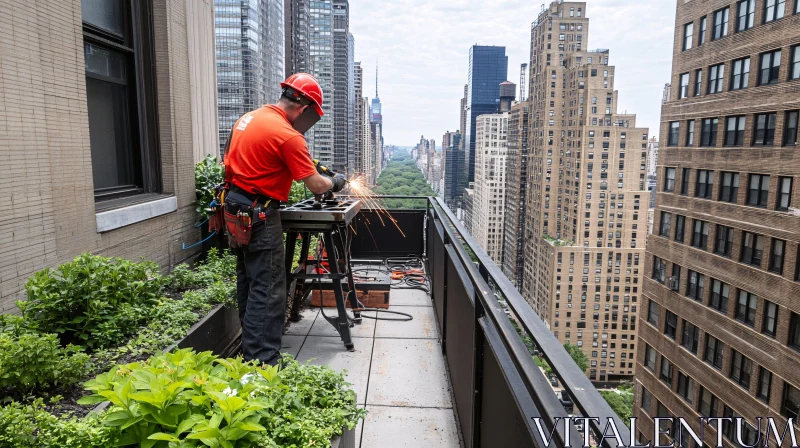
column 164, row 436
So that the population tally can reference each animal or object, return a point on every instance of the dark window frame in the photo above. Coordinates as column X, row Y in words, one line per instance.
column 685, row 181
column 774, row 11
column 136, row 45
column 794, row 332
column 745, row 15
column 685, row 387
column 669, row 187
column 700, row 231
column 668, row 375
column 741, row 369
column 716, row 79
column 777, row 256
column 648, row 350
column 764, row 129
column 768, row 71
column 695, row 286
column 719, row 300
column 758, row 186
column 746, row 308
column 698, row 82
column 723, row 241
column 790, row 126
column 791, row 394
column 734, row 130
column 701, row 37
column 690, row 125
column 729, row 193
column 709, row 408
column 764, row 379
column 653, row 313
column 714, row 352
column 674, row 133
column 784, row 197
column 688, row 36
column 794, row 67
column 690, row 337
column 720, row 19
column 704, row 184
column 709, row 132
column 751, row 254
column 665, row 224
column 671, row 325
column 769, row 324
column 680, row 228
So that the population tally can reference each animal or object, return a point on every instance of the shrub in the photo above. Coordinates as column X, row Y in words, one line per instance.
column 191, row 400
column 31, row 362
column 31, row 426
column 92, row 300
column 208, row 173
column 216, row 268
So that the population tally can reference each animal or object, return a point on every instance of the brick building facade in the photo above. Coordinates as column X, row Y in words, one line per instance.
column 127, row 187
column 720, row 327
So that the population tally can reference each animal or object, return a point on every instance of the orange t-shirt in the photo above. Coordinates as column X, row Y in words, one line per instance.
column 266, row 153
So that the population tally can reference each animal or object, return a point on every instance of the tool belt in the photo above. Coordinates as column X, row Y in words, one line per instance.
column 239, row 218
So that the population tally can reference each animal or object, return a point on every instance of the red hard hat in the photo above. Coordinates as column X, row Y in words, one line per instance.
column 307, row 86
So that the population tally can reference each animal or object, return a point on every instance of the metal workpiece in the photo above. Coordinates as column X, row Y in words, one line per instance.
column 326, row 211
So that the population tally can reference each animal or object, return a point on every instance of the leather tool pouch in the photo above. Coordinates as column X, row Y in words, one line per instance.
column 239, row 225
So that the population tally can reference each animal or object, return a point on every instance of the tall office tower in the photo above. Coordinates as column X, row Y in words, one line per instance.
column 588, row 198
column 250, row 58
column 358, row 119
column 376, row 127
column 453, row 168
column 351, row 105
column 720, row 326
column 652, row 164
column 488, row 67
column 341, row 87
column 463, row 121
column 321, row 64
column 488, row 202
column 368, row 154
column 296, row 36
column 516, row 186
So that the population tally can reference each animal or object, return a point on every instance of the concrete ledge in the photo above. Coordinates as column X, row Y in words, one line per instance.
column 125, row 216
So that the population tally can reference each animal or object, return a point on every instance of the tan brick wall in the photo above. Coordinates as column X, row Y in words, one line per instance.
column 45, row 159
column 771, row 353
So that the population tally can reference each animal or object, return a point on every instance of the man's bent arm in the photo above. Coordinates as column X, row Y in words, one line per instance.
column 317, row 183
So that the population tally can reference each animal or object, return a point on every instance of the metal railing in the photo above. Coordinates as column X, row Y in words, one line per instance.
column 499, row 392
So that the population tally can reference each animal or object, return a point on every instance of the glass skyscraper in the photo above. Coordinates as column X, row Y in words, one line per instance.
column 250, row 57
column 488, row 67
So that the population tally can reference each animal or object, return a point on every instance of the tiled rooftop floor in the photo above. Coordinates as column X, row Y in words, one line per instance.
column 397, row 371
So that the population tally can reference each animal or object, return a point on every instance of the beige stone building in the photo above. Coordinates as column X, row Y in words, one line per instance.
column 488, row 201
column 719, row 324
column 587, row 201
column 106, row 106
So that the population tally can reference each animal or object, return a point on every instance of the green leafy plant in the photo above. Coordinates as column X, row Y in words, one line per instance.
column 190, row 400
column 217, row 267
column 35, row 362
column 577, row 355
column 92, row 301
column 31, row 426
column 621, row 403
column 208, row 173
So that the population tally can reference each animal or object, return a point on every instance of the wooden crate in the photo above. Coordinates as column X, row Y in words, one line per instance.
column 370, row 299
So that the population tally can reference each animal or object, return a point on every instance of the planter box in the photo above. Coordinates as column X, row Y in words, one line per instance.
column 220, row 332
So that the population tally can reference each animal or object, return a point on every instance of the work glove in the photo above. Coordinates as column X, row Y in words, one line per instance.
column 338, row 182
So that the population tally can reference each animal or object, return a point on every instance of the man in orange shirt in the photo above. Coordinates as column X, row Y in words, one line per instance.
column 265, row 152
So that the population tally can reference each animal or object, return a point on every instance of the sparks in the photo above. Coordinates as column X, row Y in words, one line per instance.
column 360, row 189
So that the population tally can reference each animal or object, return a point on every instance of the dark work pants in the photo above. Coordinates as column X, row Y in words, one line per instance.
column 261, row 290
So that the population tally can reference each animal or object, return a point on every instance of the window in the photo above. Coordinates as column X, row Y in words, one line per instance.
column 709, row 404
column 120, row 97
column 740, row 76
column 758, row 190
column 749, row 433
column 790, row 135
column 729, row 187
column 716, row 75
column 685, row 387
column 666, row 370
column 695, row 286
column 708, row 135
column 746, row 308
column 794, row 72
column 666, row 222
column 675, row 278
column 680, row 225
column 765, row 129
column 720, row 292
column 647, row 400
column 700, row 235
column 688, row 34
column 691, row 336
column 770, row 68
column 774, row 10
column 690, row 133
column 701, row 38
column 653, row 312
column 698, row 81
column 714, row 350
column 794, row 332
column 685, row 181
column 684, row 91
column 724, row 241
column 720, row 23
column 650, row 358
column 784, row 193
column 674, row 130
column 741, row 369
column 705, row 184
column 671, row 325
column 669, row 184
column 659, row 270
column 764, row 385
column 790, row 404
column 776, row 256
column 666, row 424
column 770, row 323
column 745, row 15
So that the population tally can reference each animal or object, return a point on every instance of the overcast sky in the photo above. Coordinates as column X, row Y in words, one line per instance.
column 423, row 51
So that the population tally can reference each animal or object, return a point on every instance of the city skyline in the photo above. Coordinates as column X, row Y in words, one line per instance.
column 442, row 34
